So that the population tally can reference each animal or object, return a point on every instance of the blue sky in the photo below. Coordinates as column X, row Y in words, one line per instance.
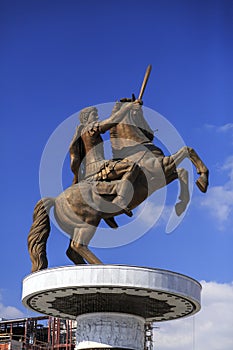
column 58, row 57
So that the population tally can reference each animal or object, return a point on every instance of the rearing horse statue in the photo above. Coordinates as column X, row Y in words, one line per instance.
column 79, row 209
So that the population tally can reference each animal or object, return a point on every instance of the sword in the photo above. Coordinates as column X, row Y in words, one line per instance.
column 145, row 80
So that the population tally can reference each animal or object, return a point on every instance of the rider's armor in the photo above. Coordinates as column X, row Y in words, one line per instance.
column 94, row 150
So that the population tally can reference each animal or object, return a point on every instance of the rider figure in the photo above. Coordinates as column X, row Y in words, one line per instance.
column 86, row 148
column 87, row 153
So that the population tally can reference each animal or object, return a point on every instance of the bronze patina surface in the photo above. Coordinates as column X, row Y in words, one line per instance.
column 102, row 189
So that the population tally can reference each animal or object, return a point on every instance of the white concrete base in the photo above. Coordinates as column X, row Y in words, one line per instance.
column 109, row 330
column 153, row 294
column 111, row 303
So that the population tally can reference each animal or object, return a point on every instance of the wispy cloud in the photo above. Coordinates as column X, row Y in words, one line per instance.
column 211, row 328
column 225, row 130
column 228, row 166
column 221, row 128
column 219, row 199
column 151, row 213
column 159, row 215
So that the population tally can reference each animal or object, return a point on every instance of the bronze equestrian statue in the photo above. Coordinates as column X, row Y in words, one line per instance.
column 79, row 209
column 103, row 189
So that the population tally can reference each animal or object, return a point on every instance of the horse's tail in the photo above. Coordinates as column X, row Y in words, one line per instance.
column 39, row 232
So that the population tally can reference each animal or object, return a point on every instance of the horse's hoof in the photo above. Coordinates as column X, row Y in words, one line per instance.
column 202, row 183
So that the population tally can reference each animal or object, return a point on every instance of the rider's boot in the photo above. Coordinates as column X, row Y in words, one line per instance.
column 122, row 203
column 122, row 199
column 111, row 222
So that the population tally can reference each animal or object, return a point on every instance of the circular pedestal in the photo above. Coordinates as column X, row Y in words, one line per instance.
column 122, row 294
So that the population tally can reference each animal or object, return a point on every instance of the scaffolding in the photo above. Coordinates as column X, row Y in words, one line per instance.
column 148, row 336
column 46, row 332
column 37, row 333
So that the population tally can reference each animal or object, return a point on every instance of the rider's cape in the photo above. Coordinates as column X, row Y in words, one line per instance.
column 77, row 152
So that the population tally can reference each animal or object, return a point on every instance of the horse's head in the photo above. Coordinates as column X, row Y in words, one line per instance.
column 134, row 122
column 132, row 116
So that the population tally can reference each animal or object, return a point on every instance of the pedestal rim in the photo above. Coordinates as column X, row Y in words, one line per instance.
column 47, row 291
column 106, row 266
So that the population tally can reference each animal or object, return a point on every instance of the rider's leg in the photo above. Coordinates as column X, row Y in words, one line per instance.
column 80, row 241
column 125, row 171
column 124, row 189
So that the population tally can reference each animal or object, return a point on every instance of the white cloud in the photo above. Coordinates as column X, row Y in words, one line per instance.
column 219, row 199
column 211, row 328
column 225, row 130
column 151, row 213
column 222, row 128
column 228, row 166
column 9, row 312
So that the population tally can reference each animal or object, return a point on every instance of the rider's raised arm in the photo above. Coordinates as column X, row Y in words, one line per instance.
column 116, row 116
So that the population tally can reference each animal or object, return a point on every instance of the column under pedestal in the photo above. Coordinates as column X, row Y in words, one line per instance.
column 110, row 330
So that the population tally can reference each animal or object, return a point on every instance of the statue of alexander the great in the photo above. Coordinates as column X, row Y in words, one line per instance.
column 137, row 164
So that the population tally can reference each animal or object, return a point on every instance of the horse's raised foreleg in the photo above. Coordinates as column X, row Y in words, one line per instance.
column 202, row 182
column 80, row 241
column 188, row 152
column 184, row 191
column 171, row 174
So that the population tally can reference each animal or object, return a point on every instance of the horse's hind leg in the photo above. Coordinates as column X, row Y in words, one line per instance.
column 74, row 256
column 85, row 253
column 184, row 191
column 80, row 241
column 188, row 152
